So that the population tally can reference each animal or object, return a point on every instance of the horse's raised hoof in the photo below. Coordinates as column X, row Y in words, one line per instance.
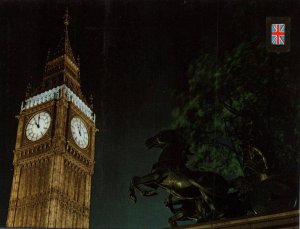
column 132, row 197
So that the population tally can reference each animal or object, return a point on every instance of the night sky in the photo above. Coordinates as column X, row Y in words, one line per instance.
column 134, row 56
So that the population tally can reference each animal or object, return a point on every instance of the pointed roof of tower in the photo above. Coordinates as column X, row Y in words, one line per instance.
column 62, row 69
column 64, row 45
column 61, row 66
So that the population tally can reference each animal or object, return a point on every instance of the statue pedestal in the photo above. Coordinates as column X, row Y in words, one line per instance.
column 284, row 220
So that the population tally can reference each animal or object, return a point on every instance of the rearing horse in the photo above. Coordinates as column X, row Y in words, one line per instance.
column 171, row 174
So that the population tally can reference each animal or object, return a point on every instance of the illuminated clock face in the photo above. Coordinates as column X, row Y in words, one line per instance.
column 38, row 126
column 79, row 132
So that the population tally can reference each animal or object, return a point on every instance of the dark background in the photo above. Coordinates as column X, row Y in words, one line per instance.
column 134, row 55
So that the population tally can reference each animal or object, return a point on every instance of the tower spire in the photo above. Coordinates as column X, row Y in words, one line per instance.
column 61, row 66
column 64, row 46
column 66, row 19
column 66, row 23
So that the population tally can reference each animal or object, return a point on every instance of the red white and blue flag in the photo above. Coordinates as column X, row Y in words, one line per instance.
column 278, row 34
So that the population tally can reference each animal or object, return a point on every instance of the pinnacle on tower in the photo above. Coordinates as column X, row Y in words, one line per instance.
column 91, row 101
column 28, row 90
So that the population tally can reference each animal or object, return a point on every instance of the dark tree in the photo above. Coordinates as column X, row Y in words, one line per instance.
column 246, row 98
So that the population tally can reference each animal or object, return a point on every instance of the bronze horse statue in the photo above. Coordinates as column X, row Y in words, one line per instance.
column 205, row 193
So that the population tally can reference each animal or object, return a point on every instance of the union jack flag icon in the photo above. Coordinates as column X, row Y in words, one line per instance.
column 278, row 34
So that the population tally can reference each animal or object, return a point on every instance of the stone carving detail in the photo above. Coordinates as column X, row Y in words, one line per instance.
column 34, row 151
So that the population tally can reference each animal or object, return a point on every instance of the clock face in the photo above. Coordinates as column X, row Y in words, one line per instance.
column 38, row 126
column 79, row 132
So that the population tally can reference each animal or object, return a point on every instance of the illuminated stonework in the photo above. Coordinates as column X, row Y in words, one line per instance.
column 51, row 184
column 57, row 93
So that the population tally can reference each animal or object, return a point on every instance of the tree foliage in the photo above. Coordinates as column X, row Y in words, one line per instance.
column 246, row 97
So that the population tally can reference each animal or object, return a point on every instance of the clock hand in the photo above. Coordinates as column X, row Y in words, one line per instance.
column 36, row 123
column 79, row 130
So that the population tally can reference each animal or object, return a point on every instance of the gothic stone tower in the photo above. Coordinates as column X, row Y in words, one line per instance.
column 55, row 146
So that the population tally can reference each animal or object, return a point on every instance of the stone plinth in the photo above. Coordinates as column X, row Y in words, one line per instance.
column 283, row 220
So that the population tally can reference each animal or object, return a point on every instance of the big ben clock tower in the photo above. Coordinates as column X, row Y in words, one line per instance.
column 54, row 151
